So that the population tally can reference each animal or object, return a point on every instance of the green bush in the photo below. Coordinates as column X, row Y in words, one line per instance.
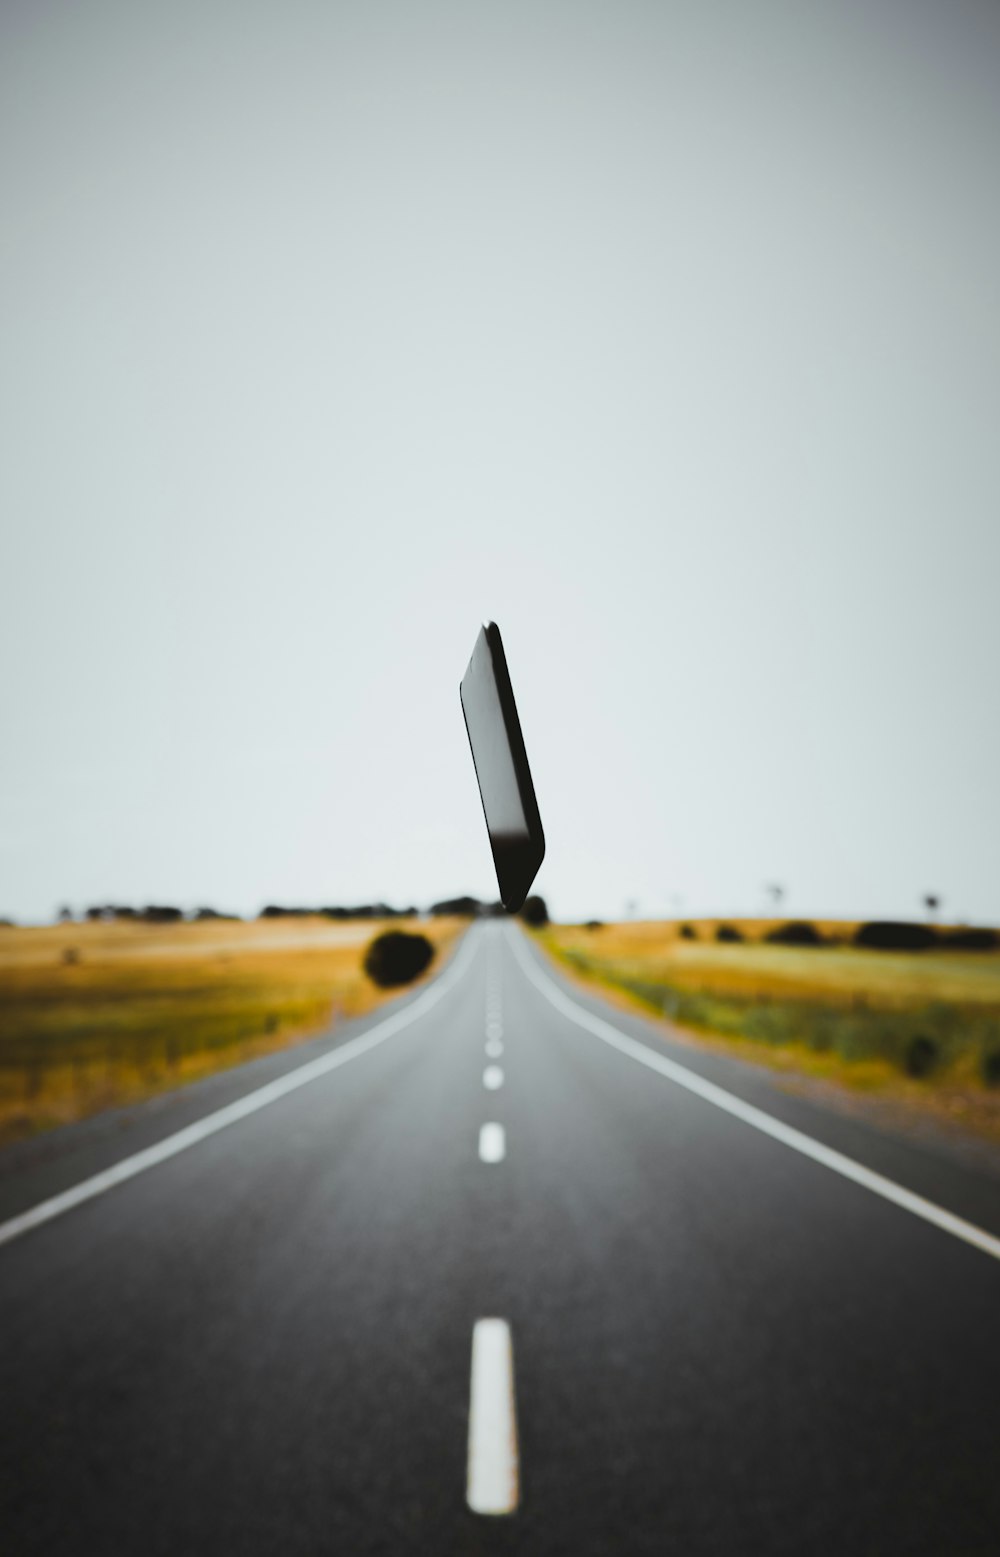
column 396, row 957
column 921, row 1056
column 990, row 1067
column 728, row 932
column 970, row 938
column 798, row 932
column 891, row 935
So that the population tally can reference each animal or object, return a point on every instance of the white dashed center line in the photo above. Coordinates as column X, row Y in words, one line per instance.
column 492, row 1143
column 492, row 1479
column 492, row 1078
column 494, row 1048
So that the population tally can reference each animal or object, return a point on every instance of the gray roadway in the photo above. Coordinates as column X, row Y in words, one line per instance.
column 262, row 1344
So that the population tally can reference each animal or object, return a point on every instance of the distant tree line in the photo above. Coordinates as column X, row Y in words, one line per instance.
column 534, row 911
column 153, row 913
column 360, row 911
column 464, row 906
column 875, row 934
column 889, row 935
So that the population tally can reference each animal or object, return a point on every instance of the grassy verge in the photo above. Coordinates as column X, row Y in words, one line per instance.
column 919, row 1029
column 97, row 1015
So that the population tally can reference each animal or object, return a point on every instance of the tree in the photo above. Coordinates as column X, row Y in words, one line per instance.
column 799, row 932
column 465, row 907
column 894, row 935
column 535, row 913
column 395, row 957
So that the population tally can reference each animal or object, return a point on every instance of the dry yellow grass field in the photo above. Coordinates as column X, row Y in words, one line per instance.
column 100, row 1014
column 918, row 1029
column 835, row 973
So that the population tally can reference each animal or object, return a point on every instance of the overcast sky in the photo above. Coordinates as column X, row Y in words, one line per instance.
column 666, row 335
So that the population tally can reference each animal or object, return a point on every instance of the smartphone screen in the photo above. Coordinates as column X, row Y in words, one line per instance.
column 508, row 795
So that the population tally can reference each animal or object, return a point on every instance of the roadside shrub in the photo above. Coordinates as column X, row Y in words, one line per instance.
column 160, row 913
column 728, row 932
column 594, row 924
column 971, row 938
column 534, row 912
column 395, row 957
column 921, row 1056
column 990, row 1067
column 890, row 935
column 765, row 1023
column 687, row 932
column 798, row 932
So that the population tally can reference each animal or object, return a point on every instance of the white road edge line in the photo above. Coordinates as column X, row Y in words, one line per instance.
column 756, row 1117
column 192, row 1134
column 493, row 1476
column 492, row 1143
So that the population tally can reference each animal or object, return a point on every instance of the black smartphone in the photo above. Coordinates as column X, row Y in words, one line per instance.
column 508, row 795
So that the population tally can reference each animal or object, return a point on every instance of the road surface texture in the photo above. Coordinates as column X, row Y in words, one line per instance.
column 261, row 1341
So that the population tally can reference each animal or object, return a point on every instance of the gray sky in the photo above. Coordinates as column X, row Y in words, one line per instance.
column 666, row 335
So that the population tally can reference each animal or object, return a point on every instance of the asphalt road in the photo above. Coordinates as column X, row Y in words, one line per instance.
column 262, row 1343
